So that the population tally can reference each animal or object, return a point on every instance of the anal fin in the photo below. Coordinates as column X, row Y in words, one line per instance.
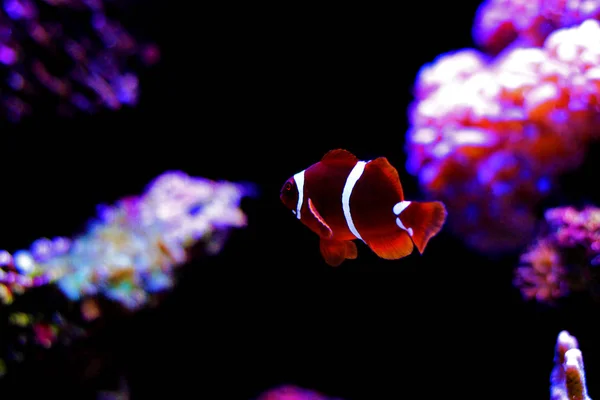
column 336, row 251
column 392, row 247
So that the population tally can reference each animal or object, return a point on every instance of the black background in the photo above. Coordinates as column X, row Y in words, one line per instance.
column 257, row 93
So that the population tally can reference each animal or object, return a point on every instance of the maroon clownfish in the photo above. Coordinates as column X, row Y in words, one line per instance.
column 342, row 199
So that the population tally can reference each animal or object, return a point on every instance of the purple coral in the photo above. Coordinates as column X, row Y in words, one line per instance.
column 70, row 50
column 577, row 229
column 542, row 275
column 564, row 258
column 289, row 392
column 568, row 375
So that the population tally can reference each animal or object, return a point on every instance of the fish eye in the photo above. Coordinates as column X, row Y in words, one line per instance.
column 287, row 187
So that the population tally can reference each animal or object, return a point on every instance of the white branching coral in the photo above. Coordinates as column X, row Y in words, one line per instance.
column 568, row 376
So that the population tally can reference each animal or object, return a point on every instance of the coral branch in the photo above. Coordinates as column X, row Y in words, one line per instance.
column 568, row 375
column 542, row 276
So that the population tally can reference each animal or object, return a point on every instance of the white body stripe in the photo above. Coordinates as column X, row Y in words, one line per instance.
column 398, row 208
column 353, row 177
column 299, row 179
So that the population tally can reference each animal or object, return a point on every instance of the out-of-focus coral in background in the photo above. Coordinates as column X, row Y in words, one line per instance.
column 564, row 259
column 567, row 380
column 501, row 23
column 490, row 135
column 492, row 131
column 290, row 392
column 70, row 52
column 127, row 255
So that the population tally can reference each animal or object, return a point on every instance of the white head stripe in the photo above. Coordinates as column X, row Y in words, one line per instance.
column 299, row 179
column 353, row 177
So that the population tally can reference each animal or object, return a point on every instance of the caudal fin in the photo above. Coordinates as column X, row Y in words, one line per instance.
column 423, row 220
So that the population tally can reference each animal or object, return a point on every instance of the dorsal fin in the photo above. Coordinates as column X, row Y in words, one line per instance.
column 340, row 157
column 388, row 171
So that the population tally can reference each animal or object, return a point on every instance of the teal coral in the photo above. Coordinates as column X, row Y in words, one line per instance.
column 128, row 253
column 132, row 247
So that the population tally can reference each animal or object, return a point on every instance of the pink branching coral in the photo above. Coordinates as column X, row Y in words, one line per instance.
column 568, row 375
column 490, row 137
column 500, row 23
column 129, row 253
column 577, row 229
column 289, row 392
column 542, row 277
column 564, row 258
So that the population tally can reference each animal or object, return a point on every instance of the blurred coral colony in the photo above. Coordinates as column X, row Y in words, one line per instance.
column 291, row 392
column 492, row 130
column 130, row 250
column 85, row 65
column 127, row 255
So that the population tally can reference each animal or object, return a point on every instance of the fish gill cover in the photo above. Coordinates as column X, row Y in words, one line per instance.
column 127, row 255
column 490, row 135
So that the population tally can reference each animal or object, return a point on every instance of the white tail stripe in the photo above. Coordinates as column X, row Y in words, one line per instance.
column 353, row 177
column 401, row 226
column 398, row 208
column 299, row 179
column 401, row 206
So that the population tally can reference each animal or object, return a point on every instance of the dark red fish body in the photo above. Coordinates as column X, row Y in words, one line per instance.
column 342, row 199
column 327, row 183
